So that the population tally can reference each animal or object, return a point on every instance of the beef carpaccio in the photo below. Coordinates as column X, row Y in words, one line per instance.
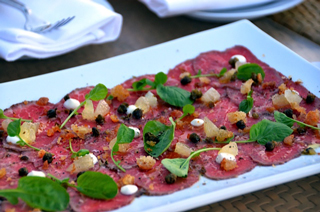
column 212, row 82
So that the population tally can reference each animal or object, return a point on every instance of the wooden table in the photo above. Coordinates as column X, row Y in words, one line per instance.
column 142, row 28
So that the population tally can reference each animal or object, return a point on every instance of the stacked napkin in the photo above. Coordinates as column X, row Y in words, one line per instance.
column 93, row 24
column 164, row 8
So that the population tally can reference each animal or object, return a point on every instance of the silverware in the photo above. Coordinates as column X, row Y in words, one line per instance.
column 33, row 22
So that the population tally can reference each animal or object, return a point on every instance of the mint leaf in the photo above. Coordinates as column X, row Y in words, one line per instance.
column 173, row 95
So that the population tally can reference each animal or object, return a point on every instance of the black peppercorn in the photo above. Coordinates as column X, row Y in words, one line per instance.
column 241, row 125
column 23, row 172
column 95, row 132
column 99, row 119
column 66, row 97
column 194, row 138
column 171, row 178
column 137, row 113
column 122, row 109
column 270, row 145
column 288, row 112
column 47, row 157
column 185, row 80
column 233, row 61
column 310, row 98
column 195, row 94
column 24, row 158
column 52, row 113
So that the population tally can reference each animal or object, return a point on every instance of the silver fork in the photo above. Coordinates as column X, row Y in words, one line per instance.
column 33, row 22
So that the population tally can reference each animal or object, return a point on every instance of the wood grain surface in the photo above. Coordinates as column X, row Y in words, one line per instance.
column 142, row 28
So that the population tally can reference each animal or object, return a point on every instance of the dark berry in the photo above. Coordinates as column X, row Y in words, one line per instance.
column 47, row 157
column 195, row 94
column 185, row 80
column 122, row 109
column 241, row 125
column 233, row 61
column 52, row 113
column 95, row 132
column 23, row 172
column 194, row 138
column 270, row 145
column 137, row 113
column 223, row 127
column 100, row 119
column 171, row 178
column 66, row 97
column 310, row 98
column 288, row 112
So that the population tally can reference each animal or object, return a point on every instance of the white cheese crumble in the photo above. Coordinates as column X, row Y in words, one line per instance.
column 227, row 156
column 130, row 109
column 71, row 104
column 36, row 174
column 197, row 122
column 12, row 139
column 240, row 58
column 136, row 132
column 129, row 189
column 94, row 158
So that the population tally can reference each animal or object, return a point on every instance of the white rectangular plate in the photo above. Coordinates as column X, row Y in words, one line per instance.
column 162, row 57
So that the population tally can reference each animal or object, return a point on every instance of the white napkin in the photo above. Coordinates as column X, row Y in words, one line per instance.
column 93, row 24
column 164, row 8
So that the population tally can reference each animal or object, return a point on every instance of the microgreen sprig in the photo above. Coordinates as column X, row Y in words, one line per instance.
column 187, row 110
column 247, row 104
column 80, row 153
column 14, row 130
column 180, row 166
column 125, row 135
column 282, row 118
column 220, row 74
column 92, row 184
column 99, row 92
column 2, row 116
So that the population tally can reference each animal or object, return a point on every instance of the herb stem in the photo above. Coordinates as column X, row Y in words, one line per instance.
column 73, row 112
column 26, row 120
column 195, row 153
column 204, row 75
column 307, row 125
column 71, row 146
column 144, row 89
column 117, row 163
column 35, row 148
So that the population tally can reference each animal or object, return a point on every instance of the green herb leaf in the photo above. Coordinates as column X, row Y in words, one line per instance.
column 180, row 166
column 166, row 136
column 80, row 153
column 14, row 128
column 247, row 104
column 99, row 92
column 110, row 97
column 266, row 130
column 245, row 71
column 187, row 110
column 282, row 118
column 222, row 72
column 139, row 85
column 125, row 135
column 97, row 185
column 38, row 192
column 173, row 95
column 199, row 73
column 160, row 78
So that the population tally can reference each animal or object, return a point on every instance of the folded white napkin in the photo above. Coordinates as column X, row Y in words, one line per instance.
column 164, row 8
column 93, row 24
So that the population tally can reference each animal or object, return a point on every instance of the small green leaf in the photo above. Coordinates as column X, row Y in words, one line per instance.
column 247, row 104
column 97, row 185
column 99, row 92
column 187, row 110
column 14, row 128
column 173, row 95
column 38, row 192
column 199, row 73
column 124, row 135
column 160, row 78
column 245, row 71
column 110, row 97
column 174, row 166
column 2, row 116
column 222, row 72
column 266, row 130
column 80, row 153
column 166, row 136
column 282, row 118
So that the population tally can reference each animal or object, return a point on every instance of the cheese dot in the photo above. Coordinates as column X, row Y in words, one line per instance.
column 12, row 139
column 37, row 174
column 240, row 58
column 136, row 132
column 130, row 109
column 71, row 104
column 197, row 122
column 227, row 156
column 94, row 158
column 129, row 189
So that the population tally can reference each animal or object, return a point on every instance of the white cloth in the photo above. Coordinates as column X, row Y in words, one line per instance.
column 93, row 24
column 164, row 8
